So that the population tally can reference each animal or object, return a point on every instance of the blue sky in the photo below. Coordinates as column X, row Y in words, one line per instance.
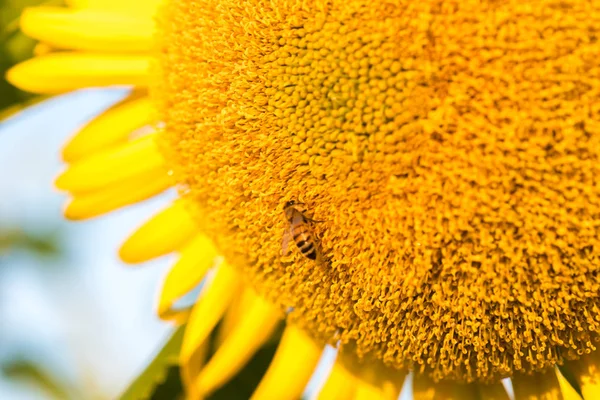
column 93, row 316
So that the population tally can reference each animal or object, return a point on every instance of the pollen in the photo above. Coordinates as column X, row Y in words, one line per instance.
column 450, row 149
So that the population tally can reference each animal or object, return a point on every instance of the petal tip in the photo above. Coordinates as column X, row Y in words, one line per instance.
column 61, row 182
column 13, row 77
column 72, row 212
column 68, row 153
column 129, row 254
column 28, row 76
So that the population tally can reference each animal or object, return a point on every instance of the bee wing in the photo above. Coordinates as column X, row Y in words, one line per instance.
column 287, row 236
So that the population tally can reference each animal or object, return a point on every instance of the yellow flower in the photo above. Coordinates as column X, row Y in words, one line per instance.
column 450, row 151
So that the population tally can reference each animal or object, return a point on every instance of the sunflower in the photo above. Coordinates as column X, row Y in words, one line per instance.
column 446, row 156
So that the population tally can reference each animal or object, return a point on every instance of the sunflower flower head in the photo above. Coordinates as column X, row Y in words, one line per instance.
column 451, row 149
column 445, row 154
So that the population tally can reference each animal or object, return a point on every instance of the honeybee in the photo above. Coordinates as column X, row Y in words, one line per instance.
column 300, row 231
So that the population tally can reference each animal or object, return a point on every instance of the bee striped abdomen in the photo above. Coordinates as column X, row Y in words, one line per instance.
column 304, row 241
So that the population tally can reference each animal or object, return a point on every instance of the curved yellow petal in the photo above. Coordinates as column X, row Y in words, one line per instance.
column 113, row 126
column 366, row 391
column 164, row 233
column 292, row 366
column 194, row 367
column 378, row 382
column 41, row 49
column 197, row 257
column 146, row 7
column 239, row 306
column 91, row 30
column 340, row 384
column 121, row 194
column 539, row 386
column 112, row 166
column 77, row 3
column 586, row 372
column 208, row 310
column 568, row 392
column 254, row 328
column 426, row 389
column 62, row 72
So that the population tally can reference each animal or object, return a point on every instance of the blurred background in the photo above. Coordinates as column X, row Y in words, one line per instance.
column 14, row 47
column 75, row 322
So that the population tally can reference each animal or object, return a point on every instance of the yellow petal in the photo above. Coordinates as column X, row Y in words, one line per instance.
column 586, row 372
column 340, row 384
column 208, row 310
column 146, row 7
column 41, row 49
column 112, row 166
column 197, row 257
column 539, row 386
column 378, row 382
column 239, row 306
column 365, row 391
column 111, row 127
column 424, row 388
column 568, row 392
column 91, row 30
column 62, row 72
column 121, row 194
column 292, row 366
column 164, row 233
column 254, row 328
column 195, row 366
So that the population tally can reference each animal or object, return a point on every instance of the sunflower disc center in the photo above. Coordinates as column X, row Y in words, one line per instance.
column 451, row 149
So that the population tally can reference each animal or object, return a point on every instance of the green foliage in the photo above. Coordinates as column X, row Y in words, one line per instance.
column 35, row 375
column 44, row 244
column 161, row 379
column 161, row 375
column 14, row 47
column 171, row 388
